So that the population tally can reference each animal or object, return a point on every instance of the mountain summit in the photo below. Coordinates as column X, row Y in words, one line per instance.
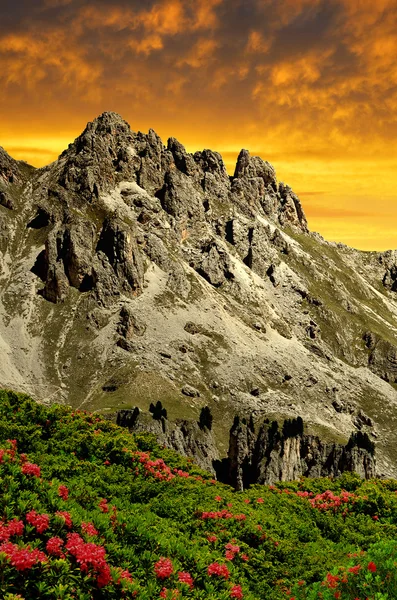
column 133, row 272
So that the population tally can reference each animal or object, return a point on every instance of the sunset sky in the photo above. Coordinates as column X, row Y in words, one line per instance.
column 310, row 85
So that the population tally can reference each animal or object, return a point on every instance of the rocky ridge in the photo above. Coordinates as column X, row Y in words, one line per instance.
column 260, row 452
column 132, row 272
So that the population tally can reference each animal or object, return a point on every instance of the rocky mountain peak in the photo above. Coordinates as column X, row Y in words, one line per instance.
column 254, row 166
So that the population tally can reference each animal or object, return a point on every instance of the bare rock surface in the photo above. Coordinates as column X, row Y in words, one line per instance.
column 130, row 269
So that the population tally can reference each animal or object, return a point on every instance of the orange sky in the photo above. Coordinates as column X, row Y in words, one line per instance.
column 310, row 85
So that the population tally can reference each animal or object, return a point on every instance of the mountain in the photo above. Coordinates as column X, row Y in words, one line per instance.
column 132, row 273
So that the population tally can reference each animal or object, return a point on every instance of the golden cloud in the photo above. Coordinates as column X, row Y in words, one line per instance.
column 200, row 54
column 26, row 60
column 310, row 85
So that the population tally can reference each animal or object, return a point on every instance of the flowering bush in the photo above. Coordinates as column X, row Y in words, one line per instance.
column 163, row 568
column 88, row 511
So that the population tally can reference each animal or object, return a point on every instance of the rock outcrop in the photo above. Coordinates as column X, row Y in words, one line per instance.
column 270, row 453
column 258, row 454
column 185, row 436
column 382, row 358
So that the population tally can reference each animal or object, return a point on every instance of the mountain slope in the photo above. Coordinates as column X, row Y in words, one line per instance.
column 131, row 272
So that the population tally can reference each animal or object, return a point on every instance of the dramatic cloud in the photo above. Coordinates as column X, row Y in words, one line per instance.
column 310, row 85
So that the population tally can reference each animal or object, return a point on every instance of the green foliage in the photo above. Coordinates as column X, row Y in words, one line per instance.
column 132, row 503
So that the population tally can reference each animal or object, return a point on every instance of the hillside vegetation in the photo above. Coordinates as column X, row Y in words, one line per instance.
column 89, row 511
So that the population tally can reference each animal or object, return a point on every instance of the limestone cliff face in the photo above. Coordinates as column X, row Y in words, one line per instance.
column 261, row 454
column 268, row 454
column 132, row 271
column 184, row 436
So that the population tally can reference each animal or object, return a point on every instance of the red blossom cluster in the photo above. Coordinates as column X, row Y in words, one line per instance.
column 90, row 557
column 355, row 569
column 218, row 570
column 163, row 568
column 124, row 575
column 29, row 468
column 332, row 581
column 54, row 547
column 305, row 494
column 8, row 452
column 236, row 592
column 181, row 473
column 156, row 468
column 63, row 492
column 22, row 558
column 39, row 522
column 65, row 516
column 185, row 578
column 330, row 501
column 103, row 505
column 222, row 514
column 231, row 551
column 89, row 529
column 9, row 529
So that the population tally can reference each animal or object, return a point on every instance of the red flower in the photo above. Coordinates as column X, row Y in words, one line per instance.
column 260, row 500
column 65, row 516
column 89, row 529
column 39, row 522
column 185, row 578
column 54, row 545
column 14, row 527
column 63, row 492
column 31, row 469
column 126, row 576
column 332, row 580
column 233, row 548
column 90, row 557
column 244, row 557
column 163, row 568
column 212, row 538
column 103, row 505
column 218, row 570
column 218, row 498
column 22, row 558
column 372, row 567
column 236, row 592
column 355, row 569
